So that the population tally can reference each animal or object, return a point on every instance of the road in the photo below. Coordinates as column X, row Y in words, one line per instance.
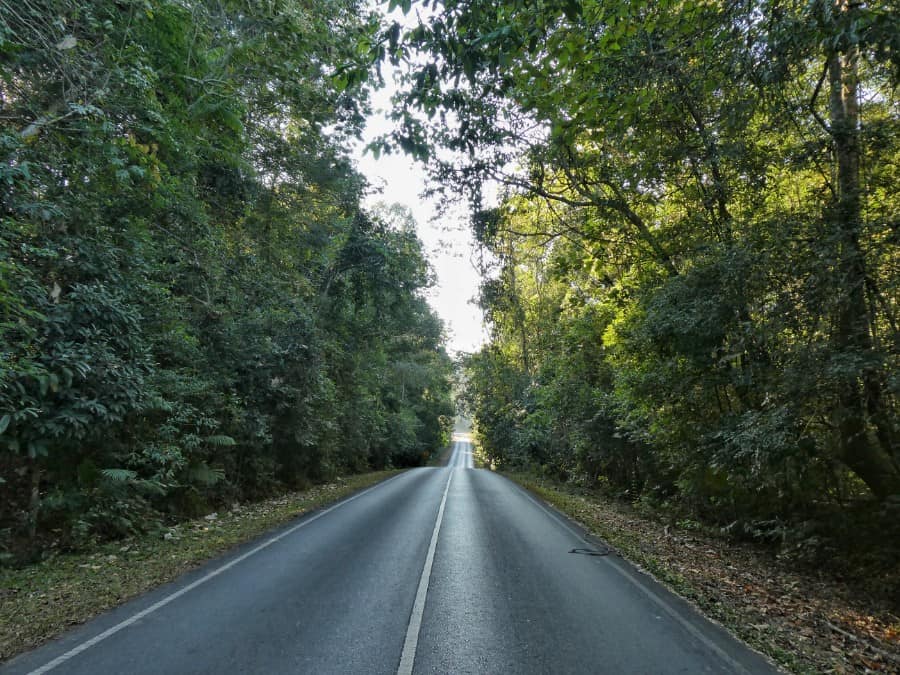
column 437, row 570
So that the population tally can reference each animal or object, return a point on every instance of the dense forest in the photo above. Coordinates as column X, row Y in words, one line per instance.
column 692, row 276
column 194, row 306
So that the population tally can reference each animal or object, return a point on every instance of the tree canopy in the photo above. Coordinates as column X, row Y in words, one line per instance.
column 691, row 274
column 692, row 271
column 194, row 306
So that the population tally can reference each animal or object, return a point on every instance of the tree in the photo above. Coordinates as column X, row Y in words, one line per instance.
column 195, row 307
column 716, row 205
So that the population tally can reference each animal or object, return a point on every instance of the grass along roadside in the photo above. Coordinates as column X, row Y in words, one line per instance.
column 41, row 601
column 807, row 623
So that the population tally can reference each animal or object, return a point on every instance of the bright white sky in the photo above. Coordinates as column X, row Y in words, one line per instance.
column 445, row 235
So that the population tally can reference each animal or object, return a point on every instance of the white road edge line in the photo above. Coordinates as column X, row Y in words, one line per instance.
column 408, row 656
column 87, row 644
column 648, row 593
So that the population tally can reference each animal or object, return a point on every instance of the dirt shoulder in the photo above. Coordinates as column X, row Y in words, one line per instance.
column 806, row 622
column 42, row 601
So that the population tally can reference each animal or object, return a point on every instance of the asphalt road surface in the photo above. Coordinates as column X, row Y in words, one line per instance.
column 438, row 570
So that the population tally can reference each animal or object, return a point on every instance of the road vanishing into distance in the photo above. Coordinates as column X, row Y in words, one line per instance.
column 437, row 570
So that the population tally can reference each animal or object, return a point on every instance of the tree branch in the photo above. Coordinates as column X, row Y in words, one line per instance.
column 812, row 101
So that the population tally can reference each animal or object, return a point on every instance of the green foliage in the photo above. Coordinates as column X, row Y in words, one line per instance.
column 692, row 275
column 194, row 308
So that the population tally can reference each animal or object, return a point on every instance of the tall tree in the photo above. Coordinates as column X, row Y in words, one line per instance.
column 186, row 265
column 733, row 211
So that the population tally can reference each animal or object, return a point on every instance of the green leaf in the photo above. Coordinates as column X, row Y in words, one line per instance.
column 205, row 474
column 119, row 475
column 220, row 441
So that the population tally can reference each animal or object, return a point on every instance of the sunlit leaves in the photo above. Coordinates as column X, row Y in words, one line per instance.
column 670, row 167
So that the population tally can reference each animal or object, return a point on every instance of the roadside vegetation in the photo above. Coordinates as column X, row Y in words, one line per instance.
column 194, row 307
column 691, row 274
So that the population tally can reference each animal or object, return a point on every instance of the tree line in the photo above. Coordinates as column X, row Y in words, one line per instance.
column 692, row 277
column 194, row 306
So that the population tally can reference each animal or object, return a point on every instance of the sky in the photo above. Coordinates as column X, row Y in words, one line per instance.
column 446, row 236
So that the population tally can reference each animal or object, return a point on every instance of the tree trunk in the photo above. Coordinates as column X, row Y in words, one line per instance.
column 860, row 448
